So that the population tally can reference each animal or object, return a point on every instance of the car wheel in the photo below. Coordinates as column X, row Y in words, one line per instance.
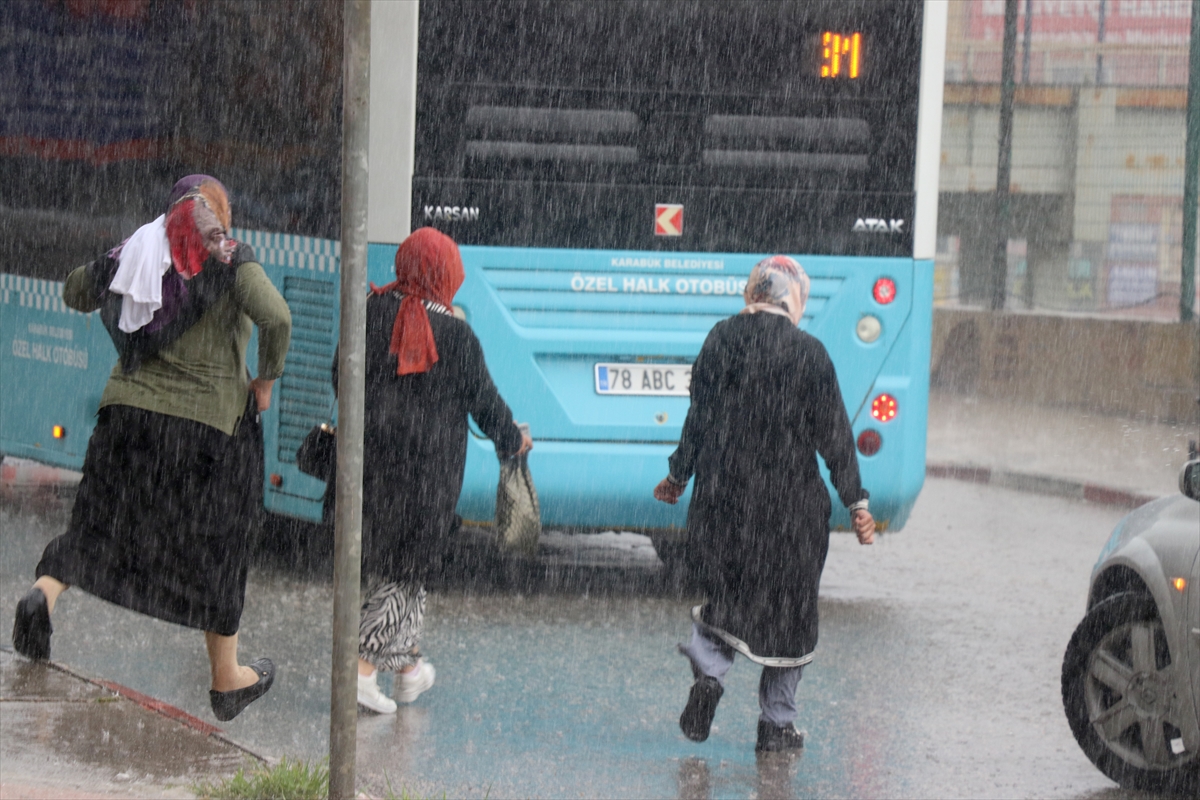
column 1118, row 688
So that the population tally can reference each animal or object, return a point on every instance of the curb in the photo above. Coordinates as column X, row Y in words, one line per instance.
column 158, row 707
column 1035, row 483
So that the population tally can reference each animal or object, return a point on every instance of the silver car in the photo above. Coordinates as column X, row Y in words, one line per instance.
column 1131, row 673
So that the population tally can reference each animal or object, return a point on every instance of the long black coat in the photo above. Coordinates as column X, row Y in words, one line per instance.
column 765, row 400
column 415, row 443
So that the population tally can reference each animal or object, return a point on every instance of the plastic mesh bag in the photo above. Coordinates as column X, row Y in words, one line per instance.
column 518, row 516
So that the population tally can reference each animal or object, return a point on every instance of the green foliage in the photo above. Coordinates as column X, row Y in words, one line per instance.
column 287, row 780
column 404, row 795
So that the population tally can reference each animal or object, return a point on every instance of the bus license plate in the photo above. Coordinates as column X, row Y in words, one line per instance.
column 645, row 379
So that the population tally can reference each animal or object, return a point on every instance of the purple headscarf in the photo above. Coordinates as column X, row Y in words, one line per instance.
column 187, row 184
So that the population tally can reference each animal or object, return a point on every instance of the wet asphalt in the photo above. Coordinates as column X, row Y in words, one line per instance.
column 937, row 673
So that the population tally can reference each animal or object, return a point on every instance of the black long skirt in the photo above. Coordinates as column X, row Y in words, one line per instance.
column 162, row 517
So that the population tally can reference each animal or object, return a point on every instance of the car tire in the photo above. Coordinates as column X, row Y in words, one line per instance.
column 1118, row 697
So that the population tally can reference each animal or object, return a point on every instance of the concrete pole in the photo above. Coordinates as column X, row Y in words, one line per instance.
column 1191, row 174
column 999, row 282
column 347, row 537
column 1028, row 35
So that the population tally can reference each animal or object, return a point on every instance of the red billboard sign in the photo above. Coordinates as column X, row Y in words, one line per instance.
column 1139, row 22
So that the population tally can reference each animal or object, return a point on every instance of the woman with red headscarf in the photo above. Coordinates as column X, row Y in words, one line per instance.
column 425, row 373
column 172, row 478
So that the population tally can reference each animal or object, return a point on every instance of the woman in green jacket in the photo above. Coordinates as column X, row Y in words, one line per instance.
column 172, row 478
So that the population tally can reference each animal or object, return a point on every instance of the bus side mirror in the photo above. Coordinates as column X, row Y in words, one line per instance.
column 1189, row 480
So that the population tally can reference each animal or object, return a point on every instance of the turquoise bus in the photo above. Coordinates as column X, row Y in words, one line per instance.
column 611, row 171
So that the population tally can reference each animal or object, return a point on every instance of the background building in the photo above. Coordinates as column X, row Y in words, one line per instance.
column 1097, row 162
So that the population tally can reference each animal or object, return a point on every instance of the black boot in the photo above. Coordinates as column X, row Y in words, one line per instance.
column 775, row 738
column 701, row 707
column 32, row 628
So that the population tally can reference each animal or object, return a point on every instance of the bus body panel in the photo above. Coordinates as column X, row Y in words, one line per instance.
column 306, row 271
column 598, row 457
column 552, row 164
column 53, row 368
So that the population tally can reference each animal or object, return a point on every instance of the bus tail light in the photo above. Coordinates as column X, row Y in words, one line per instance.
column 883, row 408
column 276, row 480
column 884, row 291
column 869, row 442
column 58, row 432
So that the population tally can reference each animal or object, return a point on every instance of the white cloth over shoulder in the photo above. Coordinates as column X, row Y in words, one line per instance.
column 144, row 259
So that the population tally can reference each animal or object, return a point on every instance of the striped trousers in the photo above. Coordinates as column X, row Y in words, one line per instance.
column 389, row 631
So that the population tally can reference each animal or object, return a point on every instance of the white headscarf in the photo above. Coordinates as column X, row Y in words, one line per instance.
column 142, row 261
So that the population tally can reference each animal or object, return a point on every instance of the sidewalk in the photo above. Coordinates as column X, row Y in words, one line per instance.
column 68, row 737
column 1058, row 451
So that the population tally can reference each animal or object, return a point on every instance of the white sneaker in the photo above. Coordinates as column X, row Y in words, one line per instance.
column 369, row 695
column 409, row 686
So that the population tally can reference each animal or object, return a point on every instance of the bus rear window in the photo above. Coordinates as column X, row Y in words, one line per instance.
column 674, row 93
column 666, row 97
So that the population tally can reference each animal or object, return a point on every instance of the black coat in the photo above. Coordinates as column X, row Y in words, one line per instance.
column 415, row 442
column 765, row 400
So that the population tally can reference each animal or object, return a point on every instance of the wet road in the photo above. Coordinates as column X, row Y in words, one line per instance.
column 936, row 675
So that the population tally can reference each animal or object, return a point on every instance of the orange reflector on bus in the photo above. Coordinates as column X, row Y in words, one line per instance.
column 58, row 431
column 869, row 442
column 1179, row 583
column 276, row 479
column 883, row 408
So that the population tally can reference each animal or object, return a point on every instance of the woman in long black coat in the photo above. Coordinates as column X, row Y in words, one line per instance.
column 425, row 373
column 764, row 402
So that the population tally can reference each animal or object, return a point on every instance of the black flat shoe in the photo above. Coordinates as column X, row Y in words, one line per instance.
column 32, row 628
column 696, row 719
column 777, row 738
column 227, row 705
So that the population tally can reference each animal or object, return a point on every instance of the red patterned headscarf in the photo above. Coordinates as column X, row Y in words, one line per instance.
column 198, row 214
column 777, row 285
column 428, row 267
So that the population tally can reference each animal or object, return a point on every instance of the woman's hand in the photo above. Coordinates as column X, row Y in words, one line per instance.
column 262, row 392
column 668, row 491
column 864, row 526
column 526, row 444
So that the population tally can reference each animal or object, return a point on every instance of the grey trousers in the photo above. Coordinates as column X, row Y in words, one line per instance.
column 776, row 687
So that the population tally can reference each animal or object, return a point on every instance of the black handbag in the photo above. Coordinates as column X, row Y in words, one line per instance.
column 317, row 454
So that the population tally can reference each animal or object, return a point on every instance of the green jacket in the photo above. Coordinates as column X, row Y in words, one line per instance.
column 202, row 375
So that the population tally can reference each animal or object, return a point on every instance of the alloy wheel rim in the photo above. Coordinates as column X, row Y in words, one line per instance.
column 1130, row 696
